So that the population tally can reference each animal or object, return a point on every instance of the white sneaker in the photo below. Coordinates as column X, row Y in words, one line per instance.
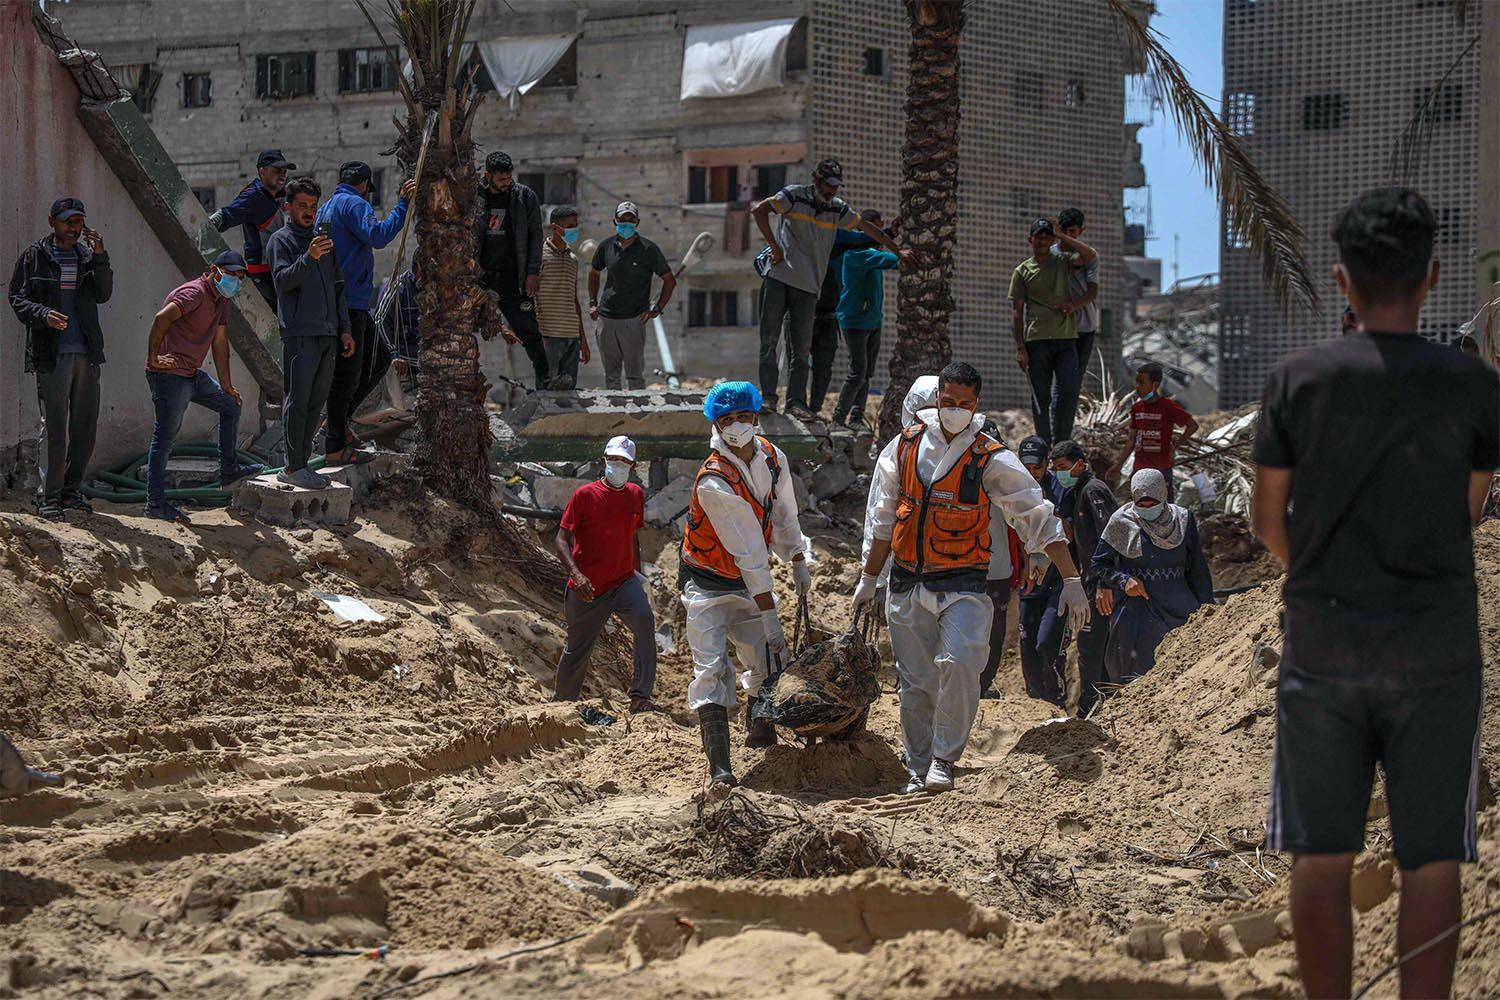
column 939, row 776
column 914, row 783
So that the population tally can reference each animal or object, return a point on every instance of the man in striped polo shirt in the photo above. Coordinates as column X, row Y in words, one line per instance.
column 557, row 309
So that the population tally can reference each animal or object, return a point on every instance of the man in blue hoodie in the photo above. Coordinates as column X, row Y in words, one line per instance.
column 860, row 314
column 357, row 234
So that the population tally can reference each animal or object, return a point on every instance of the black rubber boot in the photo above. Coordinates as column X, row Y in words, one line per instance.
column 713, row 722
column 759, row 733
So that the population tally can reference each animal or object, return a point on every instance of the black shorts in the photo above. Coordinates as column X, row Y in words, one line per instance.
column 1329, row 735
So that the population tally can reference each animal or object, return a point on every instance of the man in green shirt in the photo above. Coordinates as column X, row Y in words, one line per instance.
column 1043, row 325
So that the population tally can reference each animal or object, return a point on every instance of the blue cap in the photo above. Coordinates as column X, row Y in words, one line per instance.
column 230, row 260
column 727, row 397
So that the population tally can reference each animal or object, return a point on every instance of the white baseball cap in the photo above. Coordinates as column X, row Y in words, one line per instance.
column 620, row 446
column 627, row 208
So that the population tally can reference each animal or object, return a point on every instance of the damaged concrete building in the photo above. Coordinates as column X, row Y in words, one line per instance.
column 597, row 103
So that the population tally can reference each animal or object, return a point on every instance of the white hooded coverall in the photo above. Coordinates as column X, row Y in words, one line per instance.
column 717, row 618
column 941, row 639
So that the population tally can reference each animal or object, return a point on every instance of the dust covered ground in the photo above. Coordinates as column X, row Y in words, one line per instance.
column 249, row 778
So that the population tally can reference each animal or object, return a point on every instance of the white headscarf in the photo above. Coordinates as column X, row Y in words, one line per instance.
column 1126, row 526
column 921, row 396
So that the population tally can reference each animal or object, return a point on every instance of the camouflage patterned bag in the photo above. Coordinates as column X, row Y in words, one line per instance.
column 828, row 687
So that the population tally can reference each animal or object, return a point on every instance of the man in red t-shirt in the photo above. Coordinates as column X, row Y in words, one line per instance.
column 1154, row 419
column 598, row 543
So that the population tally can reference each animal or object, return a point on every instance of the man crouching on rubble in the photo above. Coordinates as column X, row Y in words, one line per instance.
column 930, row 504
column 1384, row 444
column 743, row 509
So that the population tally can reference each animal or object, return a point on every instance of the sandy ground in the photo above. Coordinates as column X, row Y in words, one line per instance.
column 249, row 778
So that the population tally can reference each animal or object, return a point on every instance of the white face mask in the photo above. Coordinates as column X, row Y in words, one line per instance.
column 617, row 474
column 738, row 435
column 955, row 418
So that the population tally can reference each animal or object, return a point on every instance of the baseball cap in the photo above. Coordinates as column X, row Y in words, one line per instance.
column 620, row 446
column 1041, row 227
column 230, row 260
column 273, row 158
column 830, row 172
column 499, row 163
column 627, row 208
column 354, row 171
column 66, row 208
column 1034, row 451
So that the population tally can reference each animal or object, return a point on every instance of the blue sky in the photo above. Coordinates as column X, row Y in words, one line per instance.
column 1181, row 204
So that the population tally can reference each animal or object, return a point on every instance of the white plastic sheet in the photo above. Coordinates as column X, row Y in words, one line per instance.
column 725, row 60
column 517, row 64
column 349, row 609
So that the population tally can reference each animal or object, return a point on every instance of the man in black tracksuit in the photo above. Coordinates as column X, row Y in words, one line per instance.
column 56, row 288
column 314, row 319
column 1087, row 505
column 508, row 238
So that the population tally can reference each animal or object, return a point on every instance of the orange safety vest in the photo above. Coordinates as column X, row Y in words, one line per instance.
column 942, row 531
column 705, row 558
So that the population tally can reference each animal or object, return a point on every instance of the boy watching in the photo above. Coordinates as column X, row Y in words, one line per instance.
column 1154, row 420
column 1384, row 445
column 557, row 309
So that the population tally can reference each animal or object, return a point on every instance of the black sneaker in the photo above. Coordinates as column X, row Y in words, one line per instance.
column 75, row 501
column 166, row 511
column 50, row 510
column 230, row 476
column 798, row 412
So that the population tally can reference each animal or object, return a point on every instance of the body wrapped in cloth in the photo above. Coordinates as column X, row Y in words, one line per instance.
column 828, row 687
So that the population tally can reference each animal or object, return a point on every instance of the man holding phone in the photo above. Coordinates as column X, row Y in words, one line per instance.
column 56, row 288
column 314, row 319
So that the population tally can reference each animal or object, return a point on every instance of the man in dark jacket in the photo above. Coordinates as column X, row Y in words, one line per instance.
column 255, row 210
column 1086, row 507
column 56, row 288
column 508, row 237
column 314, row 320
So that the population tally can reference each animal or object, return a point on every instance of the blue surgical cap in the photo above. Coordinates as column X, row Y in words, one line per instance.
column 727, row 397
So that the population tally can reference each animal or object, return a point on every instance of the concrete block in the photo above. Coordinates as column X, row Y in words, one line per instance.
column 670, row 503
column 830, row 479
column 679, row 467
column 275, row 502
column 183, row 472
column 360, row 478
column 862, row 456
column 598, row 882
column 554, row 492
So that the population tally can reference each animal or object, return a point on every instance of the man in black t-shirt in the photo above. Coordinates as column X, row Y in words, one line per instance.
column 1374, row 451
column 508, row 239
column 625, row 263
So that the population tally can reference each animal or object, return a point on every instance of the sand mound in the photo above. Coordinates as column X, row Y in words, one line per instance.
column 417, row 888
column 852, row 913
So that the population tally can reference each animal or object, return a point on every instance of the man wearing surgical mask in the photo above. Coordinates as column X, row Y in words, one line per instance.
column 626, row 262
column 932, row 494
column 598, row 543
column 743, row 510
column 191, row 323
column 557, row 309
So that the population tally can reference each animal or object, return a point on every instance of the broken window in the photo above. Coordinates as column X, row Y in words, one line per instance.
column 285, row 74
column 713, row 185
column 1239, row 112
column 728, row 60
column 1073, row 95
column 713, row 307
column 141, row 79
column 1323, row 112
column 552, row 187
column 565, row 73
column 515, row 65
column 207, row 197
column 197, row 90
column 874, row 62
column 376, row 196
column 365, row 71
column 769, row 178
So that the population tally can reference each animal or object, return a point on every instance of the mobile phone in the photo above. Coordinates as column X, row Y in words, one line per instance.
column 324, row 229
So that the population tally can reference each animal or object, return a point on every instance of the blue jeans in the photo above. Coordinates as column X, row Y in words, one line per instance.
column 172, row 393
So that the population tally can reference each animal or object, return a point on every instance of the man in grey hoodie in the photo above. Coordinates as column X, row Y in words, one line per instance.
column 314, row 319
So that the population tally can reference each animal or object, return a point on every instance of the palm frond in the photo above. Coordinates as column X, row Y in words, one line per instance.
column 1255, row 211
column 1416, row 138
column 395, row 54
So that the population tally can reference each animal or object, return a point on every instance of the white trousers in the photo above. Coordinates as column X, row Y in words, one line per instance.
column 941, row 642
column 714, row 621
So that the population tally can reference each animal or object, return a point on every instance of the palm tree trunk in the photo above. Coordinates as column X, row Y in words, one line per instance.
column 929, row 201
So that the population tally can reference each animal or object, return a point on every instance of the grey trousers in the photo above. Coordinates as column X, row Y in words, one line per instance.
column 307, row 364
column 562, row 361
column 622, row 343
column 586, row 619
column 67, row 416
column 778, row 302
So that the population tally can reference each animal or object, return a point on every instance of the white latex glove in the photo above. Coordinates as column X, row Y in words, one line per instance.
column 1037, row 564
column 775, row 634
column 1074, row 603
column 802, row 576
column 864, row 593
